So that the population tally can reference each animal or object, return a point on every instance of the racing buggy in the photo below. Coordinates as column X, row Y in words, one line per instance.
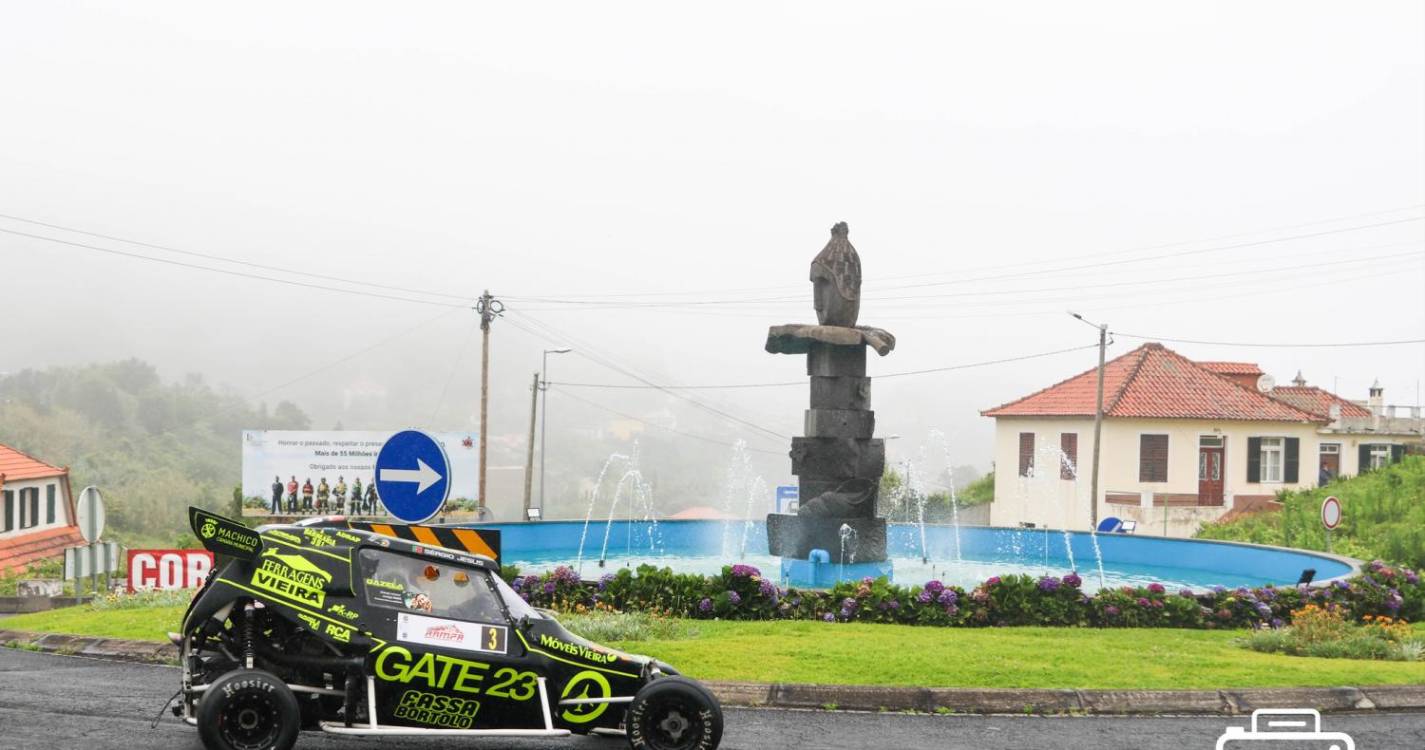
column 328, row 625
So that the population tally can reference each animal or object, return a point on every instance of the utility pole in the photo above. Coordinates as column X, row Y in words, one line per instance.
column 529, row 452
column 544, row 414
column 1097, row 421
column 489, row 309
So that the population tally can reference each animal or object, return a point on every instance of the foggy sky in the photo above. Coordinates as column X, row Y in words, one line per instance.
column 573, row 149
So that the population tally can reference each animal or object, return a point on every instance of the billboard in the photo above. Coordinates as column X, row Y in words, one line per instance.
column 348, row 454
column 168, row 568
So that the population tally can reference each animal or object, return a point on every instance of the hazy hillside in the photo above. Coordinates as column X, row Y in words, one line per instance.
column 152, row 447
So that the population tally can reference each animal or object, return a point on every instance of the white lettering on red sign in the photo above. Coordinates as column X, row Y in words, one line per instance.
column 168, row 568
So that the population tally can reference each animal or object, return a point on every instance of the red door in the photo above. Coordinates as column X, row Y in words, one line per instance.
column 1209, row 475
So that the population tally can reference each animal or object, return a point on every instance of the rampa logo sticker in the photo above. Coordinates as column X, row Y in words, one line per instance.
column 450, row 633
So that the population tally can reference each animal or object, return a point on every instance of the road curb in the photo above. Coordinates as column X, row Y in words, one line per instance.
column 1230, row 702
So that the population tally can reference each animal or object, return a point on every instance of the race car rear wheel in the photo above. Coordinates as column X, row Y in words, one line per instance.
column 674, row 713
column 248, row 709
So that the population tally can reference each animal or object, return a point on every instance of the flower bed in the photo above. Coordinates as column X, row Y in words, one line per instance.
column 740, row 592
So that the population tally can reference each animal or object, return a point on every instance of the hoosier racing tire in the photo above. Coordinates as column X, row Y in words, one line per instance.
column 248, row 709
column 674, row 713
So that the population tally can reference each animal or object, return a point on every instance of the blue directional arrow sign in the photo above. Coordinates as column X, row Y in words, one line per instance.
column 412, row 476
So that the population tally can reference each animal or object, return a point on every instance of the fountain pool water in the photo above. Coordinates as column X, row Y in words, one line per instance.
column 1128, row 560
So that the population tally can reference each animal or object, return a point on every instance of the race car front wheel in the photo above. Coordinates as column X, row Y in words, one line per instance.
column 674, row 713
column 248, row 709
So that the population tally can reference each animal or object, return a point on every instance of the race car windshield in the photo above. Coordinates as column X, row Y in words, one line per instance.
column 411, row 584
column 516, row 604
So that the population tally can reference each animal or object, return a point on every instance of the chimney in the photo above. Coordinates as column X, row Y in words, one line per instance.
column 1377, row 401
column 1298, row 381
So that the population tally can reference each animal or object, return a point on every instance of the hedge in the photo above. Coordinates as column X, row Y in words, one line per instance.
column 740, row 592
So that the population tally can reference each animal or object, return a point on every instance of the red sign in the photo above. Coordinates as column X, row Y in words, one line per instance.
column 1331, row 512
column 168, row 568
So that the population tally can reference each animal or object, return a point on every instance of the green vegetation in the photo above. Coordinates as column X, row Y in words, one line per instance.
column 133, row 623
column 1323, row 632
column 871, row 654
column 903, row 504
column 153, row 448
column 1383, row 517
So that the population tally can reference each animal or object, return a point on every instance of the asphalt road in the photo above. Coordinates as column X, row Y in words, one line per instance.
column 50, row 701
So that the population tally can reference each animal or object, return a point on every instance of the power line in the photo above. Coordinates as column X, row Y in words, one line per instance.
column 227, row 272
column 235, row 261
column 591, row 353
column 950, row 368
column 695, row 436
column 978, row 279
column 1312, row 345
column 1216, row 238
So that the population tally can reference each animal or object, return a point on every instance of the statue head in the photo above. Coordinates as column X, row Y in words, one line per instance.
column 836, row 281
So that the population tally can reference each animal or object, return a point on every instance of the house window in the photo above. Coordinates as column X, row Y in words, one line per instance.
column 1152, row 458
column 1330, row 448
column 1026, row 453
column 30, row 511
column 49, row 503
column 1272, row 459
column 9, row 510
column 1380, row 455
column 1069, row 462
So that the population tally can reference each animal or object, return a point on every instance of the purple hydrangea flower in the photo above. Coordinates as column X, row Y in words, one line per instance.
column 745, row 571
column 1264, row 611
column 934, row 587
column 951, row 610
column 549, row 587
column 1411, row 577
column 992, row 581
column 1277, row 623
column 894, row 604
column 1156, row 588
column 705, row 606
column 1394, row 601
column 1048, row 584
column 734, row 597
column 1110, row 611
column 1143, row 602
column 848, row 603
column 767, row 588
column 948, row 597
column 924, row 597
column 1219, row 589
column 828, row 617
column 1073, row 580
column 1186, row 593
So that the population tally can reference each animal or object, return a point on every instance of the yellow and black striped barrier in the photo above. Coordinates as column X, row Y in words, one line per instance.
column 475, row 541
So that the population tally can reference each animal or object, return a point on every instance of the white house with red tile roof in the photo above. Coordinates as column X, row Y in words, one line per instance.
column 37, row 518
column 1184, row 442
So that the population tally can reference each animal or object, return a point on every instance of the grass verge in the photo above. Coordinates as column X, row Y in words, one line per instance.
column 865, row 654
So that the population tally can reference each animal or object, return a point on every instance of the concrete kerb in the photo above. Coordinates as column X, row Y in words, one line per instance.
column 904, row 699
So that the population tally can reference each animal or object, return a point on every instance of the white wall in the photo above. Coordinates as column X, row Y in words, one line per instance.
column 1047, row 499
column 20, row 510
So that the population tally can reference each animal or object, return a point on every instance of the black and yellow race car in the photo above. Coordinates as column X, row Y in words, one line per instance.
column 322, row 625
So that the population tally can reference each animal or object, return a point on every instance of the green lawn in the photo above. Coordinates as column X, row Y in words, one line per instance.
column 139, row 623
column 1002, row 657
column 902, row 655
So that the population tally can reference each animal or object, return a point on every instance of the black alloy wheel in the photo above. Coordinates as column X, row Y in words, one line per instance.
column 248, row 709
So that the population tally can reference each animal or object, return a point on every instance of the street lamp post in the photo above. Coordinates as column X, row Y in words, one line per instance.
column 544, row 413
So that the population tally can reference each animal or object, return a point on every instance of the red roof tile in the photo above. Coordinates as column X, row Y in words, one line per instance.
column 1317, row 401
column 1232, row 368
column 17, row 552
column 16, row 465
column 1153, row 381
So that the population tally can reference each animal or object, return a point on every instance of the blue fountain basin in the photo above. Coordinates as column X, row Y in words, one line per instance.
column 964, row 556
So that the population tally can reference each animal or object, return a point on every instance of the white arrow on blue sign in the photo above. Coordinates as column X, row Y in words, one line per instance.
column 412, row 476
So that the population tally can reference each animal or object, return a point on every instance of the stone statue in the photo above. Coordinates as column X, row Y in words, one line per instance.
column 836, row 280
column 839, row 462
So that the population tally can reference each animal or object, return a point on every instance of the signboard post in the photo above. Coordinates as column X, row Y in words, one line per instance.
column 412, row 476
column 91, row 526
column 1330, row 517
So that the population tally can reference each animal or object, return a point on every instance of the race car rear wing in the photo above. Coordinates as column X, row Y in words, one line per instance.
column 224, row 536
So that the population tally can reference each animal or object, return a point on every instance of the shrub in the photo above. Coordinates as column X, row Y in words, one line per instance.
column 741, row 592
column 1324, row 632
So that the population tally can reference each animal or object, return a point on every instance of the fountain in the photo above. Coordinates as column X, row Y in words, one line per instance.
column 838, row 463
